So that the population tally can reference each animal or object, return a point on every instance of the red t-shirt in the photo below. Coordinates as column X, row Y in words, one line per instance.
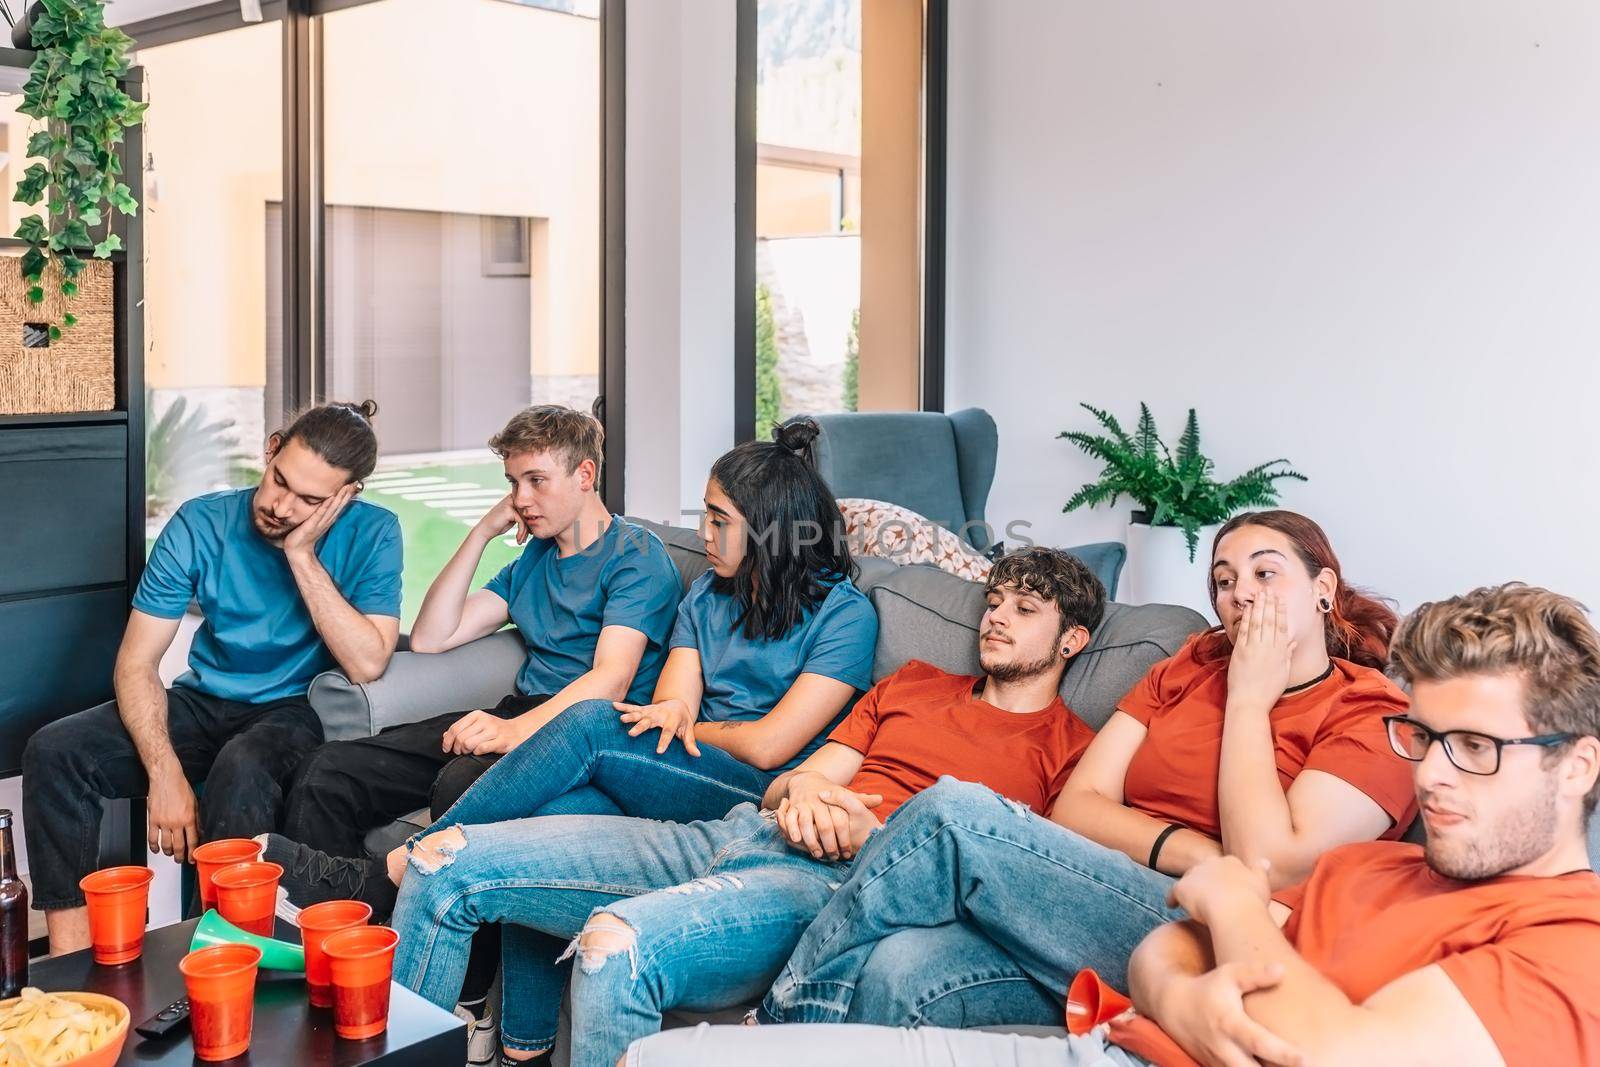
column 920, row 723
column 1522, row 951
column 1335, row 726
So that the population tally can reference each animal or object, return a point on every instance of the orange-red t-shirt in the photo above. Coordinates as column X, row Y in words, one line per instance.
column 1335, row 726
column 1522, row 951
column 920, row 723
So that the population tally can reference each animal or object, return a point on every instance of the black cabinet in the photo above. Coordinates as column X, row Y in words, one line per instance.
column 72, row 514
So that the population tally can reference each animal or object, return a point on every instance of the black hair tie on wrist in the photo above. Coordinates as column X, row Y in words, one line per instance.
column 1161, row 839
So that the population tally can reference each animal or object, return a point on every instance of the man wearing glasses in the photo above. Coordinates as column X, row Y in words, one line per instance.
column 1478, row 948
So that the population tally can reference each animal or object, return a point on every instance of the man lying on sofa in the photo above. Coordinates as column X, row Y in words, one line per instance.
column 292, row 577
column 1477, row 949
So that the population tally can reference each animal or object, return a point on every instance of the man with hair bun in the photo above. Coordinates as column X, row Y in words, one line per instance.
column 293, row 577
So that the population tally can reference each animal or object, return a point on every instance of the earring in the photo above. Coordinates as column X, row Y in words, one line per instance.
column 1324, row 605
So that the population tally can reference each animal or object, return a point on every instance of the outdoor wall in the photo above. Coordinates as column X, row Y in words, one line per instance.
column 216, row 160
column 512, row 130
column 1365, row 236
column 394, row 140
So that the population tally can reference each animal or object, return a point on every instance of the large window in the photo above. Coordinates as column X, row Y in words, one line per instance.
column 839, row 171
column 433, row 244
column 463, row 245
column 213, row 183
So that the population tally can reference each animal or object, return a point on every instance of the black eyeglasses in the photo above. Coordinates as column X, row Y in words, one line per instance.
column 1468, row 750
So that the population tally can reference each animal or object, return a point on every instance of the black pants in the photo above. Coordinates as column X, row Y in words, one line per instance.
column 244, row 753
column 346, row 788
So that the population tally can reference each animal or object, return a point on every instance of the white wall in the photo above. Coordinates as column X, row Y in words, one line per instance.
column 1364, row 235
column 680, row 279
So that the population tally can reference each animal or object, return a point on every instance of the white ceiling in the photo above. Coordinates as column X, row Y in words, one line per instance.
column 122, row 12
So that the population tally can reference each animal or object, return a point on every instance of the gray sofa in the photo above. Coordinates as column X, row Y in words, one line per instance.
column 923, row 613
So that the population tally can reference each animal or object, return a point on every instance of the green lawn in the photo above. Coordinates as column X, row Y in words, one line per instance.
column 432, row 535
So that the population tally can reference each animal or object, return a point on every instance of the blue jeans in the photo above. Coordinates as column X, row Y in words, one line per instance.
column 982, row 913
column 712, row 909
column 584, row 763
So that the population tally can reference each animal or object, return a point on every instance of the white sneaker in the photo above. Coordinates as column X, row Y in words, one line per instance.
column 483, row 1038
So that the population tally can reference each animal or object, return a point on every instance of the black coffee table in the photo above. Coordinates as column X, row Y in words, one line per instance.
column 287, row 1029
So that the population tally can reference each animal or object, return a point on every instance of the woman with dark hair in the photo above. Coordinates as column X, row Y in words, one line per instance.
column 1262, row 738
column 771, row 646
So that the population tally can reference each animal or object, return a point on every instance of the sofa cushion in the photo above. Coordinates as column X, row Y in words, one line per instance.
column 1105, row 559
column 926, row 614
column 922, row 446
column 878, row 529
column 418, row 686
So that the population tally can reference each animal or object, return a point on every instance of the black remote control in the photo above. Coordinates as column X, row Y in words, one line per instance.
column 166, row 1020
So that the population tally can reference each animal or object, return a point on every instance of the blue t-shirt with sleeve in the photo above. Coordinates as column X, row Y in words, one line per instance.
column 744, row 678
column 257, row 642
column 560, row 605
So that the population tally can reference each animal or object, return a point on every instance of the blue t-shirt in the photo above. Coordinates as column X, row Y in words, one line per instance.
column 744, row 679
column 625, row 578
column 257, row 642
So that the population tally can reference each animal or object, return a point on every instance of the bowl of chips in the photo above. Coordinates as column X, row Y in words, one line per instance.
column 40, row 1029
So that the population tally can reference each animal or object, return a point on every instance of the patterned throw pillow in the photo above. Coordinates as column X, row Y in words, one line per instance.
column 900, row 535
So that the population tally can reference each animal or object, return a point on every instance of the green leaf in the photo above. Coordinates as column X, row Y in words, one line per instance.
column 33, row 263
column 36, row 295
column 91, row 216
column 75, row 232
column 122, row 199
column 55, row 333
column 71, row 265
column 112, row 243
column 69, row 288
column 82, row 154
column 70, row 319
column 32, row 230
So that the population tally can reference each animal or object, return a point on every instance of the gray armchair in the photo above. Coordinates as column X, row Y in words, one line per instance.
column 939, row 466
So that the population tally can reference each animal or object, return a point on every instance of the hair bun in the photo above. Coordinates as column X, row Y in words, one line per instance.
column 797, row 434
column 367, row 409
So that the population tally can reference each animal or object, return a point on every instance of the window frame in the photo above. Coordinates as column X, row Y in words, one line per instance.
column 935, row 66
column 304, row 224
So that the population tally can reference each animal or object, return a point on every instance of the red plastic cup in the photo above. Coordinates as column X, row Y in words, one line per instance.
column 222, row 987
column 212, row 856
column 247, row 895
column 361, row 962
column 316, row 923
column 118, row 898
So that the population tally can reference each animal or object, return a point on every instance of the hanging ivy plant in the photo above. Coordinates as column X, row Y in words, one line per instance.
column 72, row 89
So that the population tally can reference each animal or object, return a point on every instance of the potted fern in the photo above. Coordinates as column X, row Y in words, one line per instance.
column 1178, row 502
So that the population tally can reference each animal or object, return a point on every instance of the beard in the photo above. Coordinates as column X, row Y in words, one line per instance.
column 1518, row 837
column 263, row 526
column 1016, row 670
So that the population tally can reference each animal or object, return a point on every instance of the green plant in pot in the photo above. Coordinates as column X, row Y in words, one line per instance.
column 73, row 90
column 1175, row 495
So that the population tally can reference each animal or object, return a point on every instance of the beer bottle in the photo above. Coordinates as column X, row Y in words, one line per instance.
column 13, row 915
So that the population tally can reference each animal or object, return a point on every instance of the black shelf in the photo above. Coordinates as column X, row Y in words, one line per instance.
column 75, row 481
column 66, row 418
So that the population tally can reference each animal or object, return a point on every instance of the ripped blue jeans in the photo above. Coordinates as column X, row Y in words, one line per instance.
column 699, row 916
